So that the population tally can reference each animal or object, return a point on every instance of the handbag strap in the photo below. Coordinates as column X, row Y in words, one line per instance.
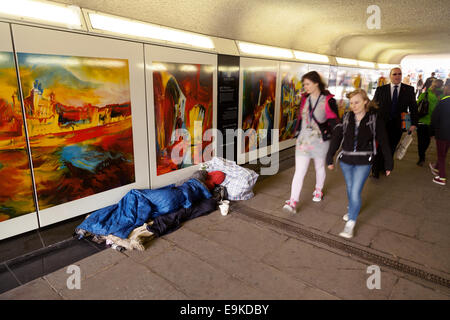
column 311, row 113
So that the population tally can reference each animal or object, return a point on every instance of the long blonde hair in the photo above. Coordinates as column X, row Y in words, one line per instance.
column 371, row 104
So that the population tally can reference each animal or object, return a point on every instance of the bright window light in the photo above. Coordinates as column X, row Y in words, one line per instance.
column 260, row 50
column 42, row 11
column 366, row 64
column 351, row 62
column 146, row 30
column 307, row 56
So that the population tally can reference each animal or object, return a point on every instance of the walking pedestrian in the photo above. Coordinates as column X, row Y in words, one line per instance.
column 357, row 134
column 318, row 114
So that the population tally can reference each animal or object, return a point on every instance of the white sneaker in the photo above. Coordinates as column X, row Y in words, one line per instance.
column 348, row 229
column 345, row 217
column 318, row 195
column 290, row 208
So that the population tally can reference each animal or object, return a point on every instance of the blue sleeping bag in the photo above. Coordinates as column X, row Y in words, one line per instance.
column 139, row 206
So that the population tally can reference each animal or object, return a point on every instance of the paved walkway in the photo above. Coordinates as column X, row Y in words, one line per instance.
column 260, row 252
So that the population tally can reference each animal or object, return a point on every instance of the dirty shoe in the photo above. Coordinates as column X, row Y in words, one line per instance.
column 348, row 230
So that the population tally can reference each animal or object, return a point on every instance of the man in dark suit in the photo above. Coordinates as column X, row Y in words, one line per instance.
column 394, row 99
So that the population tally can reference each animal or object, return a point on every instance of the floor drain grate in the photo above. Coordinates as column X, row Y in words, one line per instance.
column 372, row 257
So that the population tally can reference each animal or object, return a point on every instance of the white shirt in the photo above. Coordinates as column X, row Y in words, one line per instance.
column 393, row 88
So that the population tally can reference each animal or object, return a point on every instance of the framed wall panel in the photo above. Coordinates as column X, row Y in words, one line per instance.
column 290, row 88
column 17, row 207
column 85, row 108
column 181, row 99
column 257, row 105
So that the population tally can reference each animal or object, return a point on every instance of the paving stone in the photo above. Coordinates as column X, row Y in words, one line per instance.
column 37, row 289
column 391, row 220
column 438, row 233
column 198, row 279
column 153, row 249
column 408, row 290
column 89, row 267
column 274, row 283
column 127, row 280
column 421, row 252
column 335, row 274
column 246, row 237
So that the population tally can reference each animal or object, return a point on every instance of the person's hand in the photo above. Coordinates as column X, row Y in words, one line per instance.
column 331, row 167
column 412, row 129
column 387, row 173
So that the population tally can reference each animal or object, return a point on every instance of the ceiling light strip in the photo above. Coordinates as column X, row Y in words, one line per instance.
column 122, row 26
column 261, row 50
column 42, row 12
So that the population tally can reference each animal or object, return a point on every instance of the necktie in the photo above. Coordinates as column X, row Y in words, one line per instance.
column 394, row 103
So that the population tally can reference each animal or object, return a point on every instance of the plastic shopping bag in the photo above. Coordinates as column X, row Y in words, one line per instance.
column 403, row 145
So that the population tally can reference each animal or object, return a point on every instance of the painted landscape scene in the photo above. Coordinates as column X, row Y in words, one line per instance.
column 78, row 114
column 16, row 191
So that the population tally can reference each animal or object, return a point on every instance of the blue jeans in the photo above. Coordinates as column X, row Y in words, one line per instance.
column 355, row 176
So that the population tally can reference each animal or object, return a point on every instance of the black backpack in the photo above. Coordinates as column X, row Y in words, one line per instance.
column 423, row 107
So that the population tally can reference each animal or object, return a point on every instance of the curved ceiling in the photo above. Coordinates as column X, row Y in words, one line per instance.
column 332, row 27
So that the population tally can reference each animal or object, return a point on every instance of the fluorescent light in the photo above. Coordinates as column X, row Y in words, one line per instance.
column 260, row 50
column 147, row 30
column 386, row 66
column 300, row 55
column 42, row 11
column 351, row 62
column 366, row 64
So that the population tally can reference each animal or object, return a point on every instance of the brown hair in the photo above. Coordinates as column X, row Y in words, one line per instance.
column 436, row 84
column 363, row 94
column 316, row 78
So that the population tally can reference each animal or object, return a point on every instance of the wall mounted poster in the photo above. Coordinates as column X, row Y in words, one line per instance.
column 16, row 191
column 290, row 99
column 17, row 208
column 78, row 114
column 181, row 97
column 84, row 104
column 257, row 107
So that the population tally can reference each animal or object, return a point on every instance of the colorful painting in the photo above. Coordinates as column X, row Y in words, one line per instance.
column 183, row 99
column 78, row 114
column 16, row 191
column 258, row 107
column 291, row 95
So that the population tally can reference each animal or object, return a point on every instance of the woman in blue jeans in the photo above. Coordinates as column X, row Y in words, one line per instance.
column 358, row 133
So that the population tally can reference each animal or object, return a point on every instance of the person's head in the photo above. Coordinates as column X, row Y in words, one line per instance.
column 312, row 82
column 433, row 74
column 360, row 102
column 396, row 75
column 447, row 90
column 420, row 76
column 437, row 85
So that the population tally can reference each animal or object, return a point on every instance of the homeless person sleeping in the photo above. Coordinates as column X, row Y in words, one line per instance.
column 144, row 214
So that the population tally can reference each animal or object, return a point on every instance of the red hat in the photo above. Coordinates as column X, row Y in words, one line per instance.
column 213, row 178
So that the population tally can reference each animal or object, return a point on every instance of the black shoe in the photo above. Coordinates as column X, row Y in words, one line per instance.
column 375, row 174
column 420, row 163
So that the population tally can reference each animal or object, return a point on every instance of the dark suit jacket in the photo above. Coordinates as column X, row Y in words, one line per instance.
column 406, row 98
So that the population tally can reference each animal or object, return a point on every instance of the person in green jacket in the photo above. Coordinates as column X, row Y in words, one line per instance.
column 433, row 94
